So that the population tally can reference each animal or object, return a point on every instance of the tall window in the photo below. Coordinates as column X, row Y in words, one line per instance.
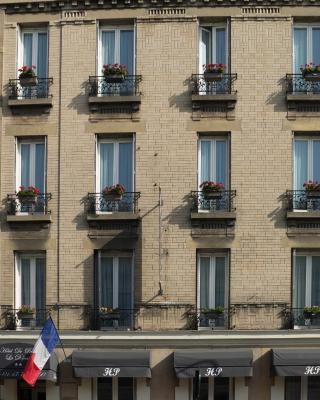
column 25, row 392
column 33, row 50
column 116, row 389
column 115, row 287
column 302, row 388
column 212, row 389
column 306, row 45
column 213, row 45
column 31, row 163
column 117, row 46
column 30, row 283
column 306, row 161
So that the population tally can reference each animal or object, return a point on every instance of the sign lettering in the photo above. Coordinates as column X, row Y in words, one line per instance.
column 111, row 371
column 213, row 371
column 312, row 370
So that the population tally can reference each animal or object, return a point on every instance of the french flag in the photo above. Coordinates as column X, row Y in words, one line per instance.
column 41, row 352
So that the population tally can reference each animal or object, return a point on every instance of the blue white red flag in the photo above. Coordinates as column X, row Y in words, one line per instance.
column 41, row 352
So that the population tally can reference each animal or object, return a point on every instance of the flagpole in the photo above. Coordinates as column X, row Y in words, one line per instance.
column 65, row 356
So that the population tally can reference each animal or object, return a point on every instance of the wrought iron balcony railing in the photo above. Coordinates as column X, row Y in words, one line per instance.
column 300, row 318
column 100, row 203
column 28, row 205
column 222, row 86
column 296, row 83
column 99, row 86
column 217, row 201
column 39, row 90
column 15, row 319
column 303, row 200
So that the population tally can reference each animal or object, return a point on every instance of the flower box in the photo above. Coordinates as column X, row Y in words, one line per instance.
column 27, row 200
column 212, row 76
column 28, row 82
column 112, row 196
column 214, row 313
column 114, row 78
column 113, row 193
column 311, row 76
column 313, row 194
column 214, row 195
column 109, row 316
column 25, row 315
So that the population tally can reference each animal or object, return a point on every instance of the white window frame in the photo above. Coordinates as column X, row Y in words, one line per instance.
column 213, row 40
column 33, row 142
column 32, row 257
column 212, row 277
column 310, row 140
column 115, row 386
column 211, row 389
column 308, row 274
column 214, row 140
column 116, row 143
column 117, row 29
column 115, row 284
column 34, row 32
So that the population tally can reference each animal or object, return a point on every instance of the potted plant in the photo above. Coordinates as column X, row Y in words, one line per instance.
column 109, row 313
column 114, row 73
column 312, row 189
column 310, row 72
column 213, row 72
column 27, row 195
column 113, row 193
column 25, row 312
column 212, row 190
column 213, row 313
column 27, row 76
column 311, row 312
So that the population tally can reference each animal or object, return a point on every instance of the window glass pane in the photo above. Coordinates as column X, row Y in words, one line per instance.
column 205, row 47
column 27, row 49
column 220, row 281
column 300, row 163
column 221, row 389
column 106, row 164
column 126, row 49
column 125, row 165
column 292, row 388
column 106, row 282
column 316, row 160
column 205, row 154
column 200, row 389
column 315, row 46
column 204, row 282
column 40, row 167
column 125, row 389
column 313, row 388
column 108, row 47
column 40, row 283
column 25, row 164
column 221, row 157
column 104, row 389
column 25, row 281
column 125, row 283
column 300, row 282
column 42, row 61
column 315, row 293
column 221, row 46
column 300, row 49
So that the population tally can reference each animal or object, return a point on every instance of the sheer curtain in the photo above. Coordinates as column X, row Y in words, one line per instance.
column 125, row 166
column 316, row 45
column 299, row 295
column 221, row 46
column 204, row 282
column 300, row 163
column 25, row 164
column 300, row 49
column 108, row 47
column 27, row 49
column 205, row 155
column 42, row 61
column 220, row 282
column 40, row 167
column 106, row 282
column 316, row 160
column 25, row 281
column 205, row 48
column 221, row 158
column 106, row 164
column 126, row 49
column 125, row 283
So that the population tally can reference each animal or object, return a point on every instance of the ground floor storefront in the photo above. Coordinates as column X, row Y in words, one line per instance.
column 167, row 366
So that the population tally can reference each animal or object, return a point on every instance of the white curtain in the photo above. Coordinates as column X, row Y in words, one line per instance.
column 299, row 295
column 25, row 164
column 205, row 156
column 300, row 49
column 106, row 164
column 126, row 49
column 42, row 59
column 300, row 163
column 27, row 49
column 108, row 47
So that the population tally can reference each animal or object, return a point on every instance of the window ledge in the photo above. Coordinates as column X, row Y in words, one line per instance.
column 303, row 215
column 43, row 102
column 117, row 216
column 214, row 97
column 219, row 215
column 303, row 97
column 29, row 218
column 114, row 99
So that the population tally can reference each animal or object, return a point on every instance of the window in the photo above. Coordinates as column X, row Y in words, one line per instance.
column 306, row 46
column 115, row 164
column 116, row 46
column 306, row 161
column 212, row 389
column 212, row 288
column 33, row 50
column 213, row 45
column 25, row 392
column 115, row 288
column 302, row 388
column 30, row 285
column 116, row 389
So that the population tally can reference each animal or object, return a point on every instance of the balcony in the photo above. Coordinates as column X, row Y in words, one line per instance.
column 302, row 95
column 213, row 213
column 215, row 96
column 109, row 96
column 30, row 210
column 301, row 318
column 35, row 96
column 13, row 319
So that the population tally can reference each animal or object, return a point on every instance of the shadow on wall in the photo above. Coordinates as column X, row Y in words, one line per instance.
column 80, row 102
column 180, row 215
column 278, row 215
column 278, row 99
column 182, row 101
column 163, row 379
column 259, row 384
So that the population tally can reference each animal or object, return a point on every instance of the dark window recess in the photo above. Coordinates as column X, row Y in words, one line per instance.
column 313, row 388
column 292, row 388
